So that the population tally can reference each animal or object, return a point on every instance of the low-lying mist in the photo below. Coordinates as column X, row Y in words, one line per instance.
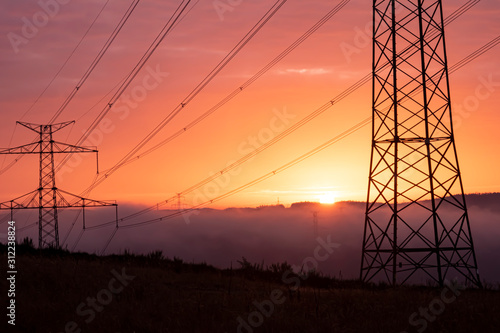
column 268, row 235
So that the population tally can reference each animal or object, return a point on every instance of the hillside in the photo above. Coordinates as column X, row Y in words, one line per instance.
column 58, row 291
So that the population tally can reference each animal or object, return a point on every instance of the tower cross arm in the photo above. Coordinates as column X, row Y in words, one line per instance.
column 60, row 147
column 30, row 148
column 39, row 128
column 29, row 200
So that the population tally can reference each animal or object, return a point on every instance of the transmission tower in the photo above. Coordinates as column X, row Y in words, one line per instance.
column 315, row 224
column 48, row 198
column 416, row 217
column 179, row 204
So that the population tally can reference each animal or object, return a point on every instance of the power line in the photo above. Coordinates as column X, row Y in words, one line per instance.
column 478, row 50
column 167, row 28
column 448, row 20
column 268, row 175
column 208, row 78
column 48, row 198
column 124, row 78
column 353, row 129
column 474, row 55
column 415, row 239
column 276, row 171
column 96, row 60
column 66, row 61
column 174, row 19
column 245, row 85
column 266, row 68
column 108, row 43
column 52, row 80
column 94, row 63
column 170, row 24
column 289, row 130
column 453, row 68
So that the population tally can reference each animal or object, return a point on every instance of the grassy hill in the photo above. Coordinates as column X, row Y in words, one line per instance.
column 58, row 291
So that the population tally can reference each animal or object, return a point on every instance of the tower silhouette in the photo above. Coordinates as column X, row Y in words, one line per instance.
column 179, row 205
column 48, row 198
column 416, row 223
column 315, row 224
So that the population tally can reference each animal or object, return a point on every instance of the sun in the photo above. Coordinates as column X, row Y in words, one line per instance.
column 327, row 198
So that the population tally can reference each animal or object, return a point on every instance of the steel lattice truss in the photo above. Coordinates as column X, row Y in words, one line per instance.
column 48, row 198
column 416, row 217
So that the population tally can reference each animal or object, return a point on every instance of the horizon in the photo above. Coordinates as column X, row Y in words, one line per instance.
column 288, row 205
column 271, row 234
column 350, row 148
column 282, row 118
column 303, row 81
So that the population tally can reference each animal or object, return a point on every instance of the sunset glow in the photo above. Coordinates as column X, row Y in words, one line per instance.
column 330, row 61
column 327, row 198
column 194, row 162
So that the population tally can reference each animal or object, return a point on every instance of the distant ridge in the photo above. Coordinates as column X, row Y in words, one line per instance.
column 482, row 200
column 489, row 201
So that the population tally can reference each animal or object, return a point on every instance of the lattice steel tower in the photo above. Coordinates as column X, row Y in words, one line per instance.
column 48, row 198
column 416, row 225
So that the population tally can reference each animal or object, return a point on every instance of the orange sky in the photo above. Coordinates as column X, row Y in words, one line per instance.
column 310, row 76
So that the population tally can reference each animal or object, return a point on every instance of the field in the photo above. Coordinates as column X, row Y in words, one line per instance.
column 58, row 291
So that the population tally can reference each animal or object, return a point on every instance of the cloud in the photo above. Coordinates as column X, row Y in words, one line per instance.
column 305, row 71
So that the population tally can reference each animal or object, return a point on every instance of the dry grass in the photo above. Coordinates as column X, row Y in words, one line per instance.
column 172, row 296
